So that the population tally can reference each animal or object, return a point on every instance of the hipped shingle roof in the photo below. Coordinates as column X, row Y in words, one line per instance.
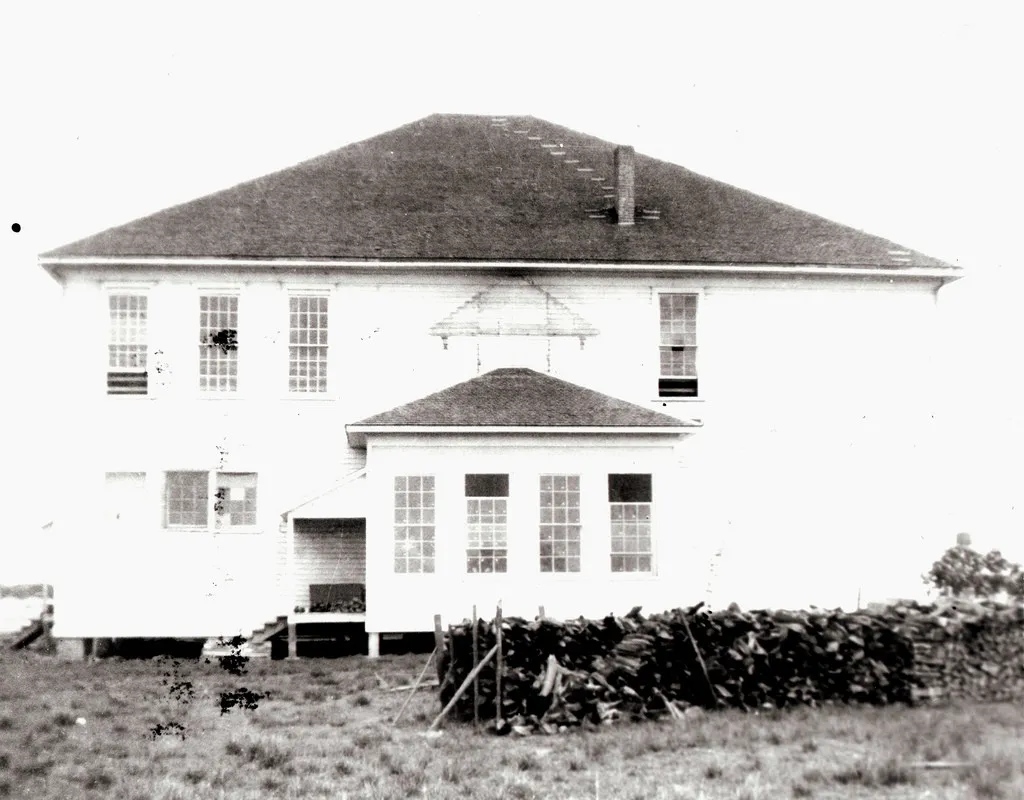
column 464, row 188
column 520, row 397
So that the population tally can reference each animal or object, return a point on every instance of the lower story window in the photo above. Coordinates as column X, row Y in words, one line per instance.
column 487, row 523
column 193, row 499
column 235, row 500
column 630, row 499
column 560, row 523
column 414, row 523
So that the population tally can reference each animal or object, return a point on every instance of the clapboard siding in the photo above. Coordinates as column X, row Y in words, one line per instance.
column 328, row 551
column 815, row 400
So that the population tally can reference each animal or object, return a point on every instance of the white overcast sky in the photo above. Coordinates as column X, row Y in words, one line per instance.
column 902, row 119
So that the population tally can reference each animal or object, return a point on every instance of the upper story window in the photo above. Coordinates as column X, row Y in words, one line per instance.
column 630, row 498
column 487, row 523
column 560, row 523
column 192, row 499
column 678, row 345
column 307, row 344
column 218, row 343
column 127, row 344
column 414, row 523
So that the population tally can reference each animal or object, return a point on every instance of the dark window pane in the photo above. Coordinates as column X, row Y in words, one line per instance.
column 487, row 486
column 629, row 488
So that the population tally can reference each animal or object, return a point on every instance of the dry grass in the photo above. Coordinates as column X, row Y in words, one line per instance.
column 326, row 732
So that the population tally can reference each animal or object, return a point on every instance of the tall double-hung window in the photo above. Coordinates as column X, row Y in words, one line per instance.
column 127, row 344
column 414, row 523
column 218, row 343
column 560, row 525
column 678, row 344
column 629, row 499
column 487, row 523
column 307, row 343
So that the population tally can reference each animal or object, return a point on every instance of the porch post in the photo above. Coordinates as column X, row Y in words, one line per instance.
column 372, row 645
column 289, row 581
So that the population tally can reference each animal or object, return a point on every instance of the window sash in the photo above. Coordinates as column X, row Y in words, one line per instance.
column 187, row 499
column 631, row 540
column 560, row 524
column 677, row 344
column 307, row 343
column 234, row 502
column 414, row 548
column 218, row 343
column 487, row 534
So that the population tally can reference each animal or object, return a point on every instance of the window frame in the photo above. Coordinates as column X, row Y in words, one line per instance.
column 301, row 293
column 651, row 552
column 212, row 522
column 554, row 524
column 127, row 291
column 700, row 392
column 209, row 292
column 421, row 525
column 492, row 521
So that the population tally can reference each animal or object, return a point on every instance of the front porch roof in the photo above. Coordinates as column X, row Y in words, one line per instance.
column 517, row 400
column 345, row 500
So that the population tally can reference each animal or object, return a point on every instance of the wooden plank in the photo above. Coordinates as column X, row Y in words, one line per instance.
column 415, row 686
column 476, row 658
column 497, row 666
column 462, row 689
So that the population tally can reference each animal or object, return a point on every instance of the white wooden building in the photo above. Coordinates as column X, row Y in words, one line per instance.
column 480, row 359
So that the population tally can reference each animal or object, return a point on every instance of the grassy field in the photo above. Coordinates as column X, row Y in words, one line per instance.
column 326, row 732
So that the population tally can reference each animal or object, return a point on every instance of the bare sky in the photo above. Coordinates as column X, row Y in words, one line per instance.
column 902, row 119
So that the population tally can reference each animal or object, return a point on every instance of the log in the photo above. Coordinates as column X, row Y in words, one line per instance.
column 414, row 687
column 462, row 689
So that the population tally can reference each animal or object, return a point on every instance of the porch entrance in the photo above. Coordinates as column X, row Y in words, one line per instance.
column 330, row 568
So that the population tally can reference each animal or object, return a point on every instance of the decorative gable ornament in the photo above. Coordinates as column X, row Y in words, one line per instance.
column 521, row 309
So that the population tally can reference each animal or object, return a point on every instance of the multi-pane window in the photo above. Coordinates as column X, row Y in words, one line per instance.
column 126, row 346
column 487, row 523
column 307, row 344
column 678, row 345
column 414, row 523
column 560, row 523
column 218, row 343
column 189, row 502
column 629, row 499
column 187, row 499
column 235, row 500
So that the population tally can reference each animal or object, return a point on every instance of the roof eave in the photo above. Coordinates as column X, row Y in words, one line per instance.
column 55, row 264
column 357, row 432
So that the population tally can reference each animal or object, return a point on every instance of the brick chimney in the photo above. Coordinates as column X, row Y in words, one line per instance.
column 625, row 190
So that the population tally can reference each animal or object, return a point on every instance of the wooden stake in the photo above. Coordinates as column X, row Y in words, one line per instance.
column 415, row 686
column 700, row 659
column 476, row 681
column 439, row 646
column 462, row 689
column 498, row 666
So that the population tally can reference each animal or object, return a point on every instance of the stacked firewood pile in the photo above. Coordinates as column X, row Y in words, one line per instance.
column 558, row 674
column 351, row 605
column 965, row 649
